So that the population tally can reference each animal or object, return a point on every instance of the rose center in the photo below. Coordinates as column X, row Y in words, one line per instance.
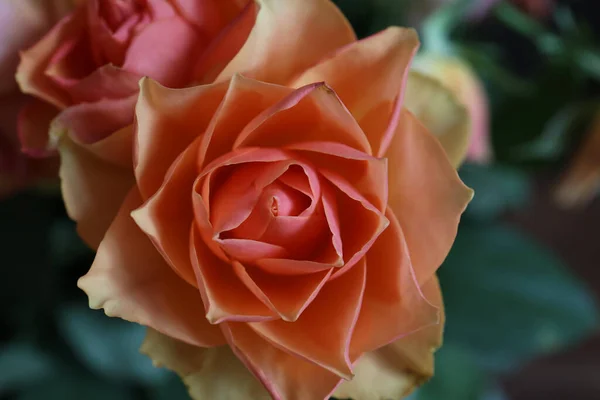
column 115, row 13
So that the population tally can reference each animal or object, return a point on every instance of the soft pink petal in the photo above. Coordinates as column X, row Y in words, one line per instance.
column 155, row 54
column 285, row 376
column 225, row 297
column 369, row 76
column 34, row 126
column 277, row 50
column 93, row 189
column 130, row 279
column 168, row 120
column 323, row 332
column 311, row 113
column 106, row 82
column 425, row 194
column 210, row 16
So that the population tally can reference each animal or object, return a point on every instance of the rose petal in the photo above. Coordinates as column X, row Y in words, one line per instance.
column 440, row 111
column 369, row 77
column 168, row 120
column 207, row 373
column 106, row 82
column 276, row 48
column 244, row 100
column 323, row 332
column 33, row 126
column 311, row 113
column 210, row 16
column 155, row 54
column 393, row 304
column 429, row 216
column 167, row 215
column 284, row 375
column 34, row 61
column 92, row 189
column 133, row 282
column 288, row 296
column 225, row 297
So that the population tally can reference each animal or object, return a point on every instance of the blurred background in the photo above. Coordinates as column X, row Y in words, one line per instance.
column 521, row 285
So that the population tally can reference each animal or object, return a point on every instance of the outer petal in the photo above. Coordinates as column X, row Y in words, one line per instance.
column 133, row 282
column 276, row 49
column 213, row 373
column 285, row 376
column 93, row 189
column 393, row 371
column 369, row 77
column 429, row 216
column 440, row 111
column 168, row 120
column 33, row 126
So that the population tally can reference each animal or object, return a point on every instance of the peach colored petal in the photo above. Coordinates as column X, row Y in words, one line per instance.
column 167, row 215
column 225, row 45
column 395, row 370
column 225, row 297
column 207, row 373
column 245, row 99
column 168, row 120
column 418, row 166
column 116, row 149
column 288, row 296
column 323, row 332
column 33, row 126
column 285, row 376
column 155, row 54
column 310, row 113
column 91, row 122
column 293, row 267
column 133, row 282
column 440, row 111
column 276, row 49
column 247, row 251
column 31, row 71
column 393, row 304
column 92, row 189
column 369, row 77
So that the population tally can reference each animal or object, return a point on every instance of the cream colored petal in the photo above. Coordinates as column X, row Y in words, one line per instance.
column 208, row 373
column 441, row 112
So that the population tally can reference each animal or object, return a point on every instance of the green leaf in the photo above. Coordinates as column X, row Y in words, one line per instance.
column 497, row 189
column 508, row 299
column 108, row 346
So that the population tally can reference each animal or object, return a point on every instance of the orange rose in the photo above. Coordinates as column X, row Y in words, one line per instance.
column 291, row 218
column 86, row 69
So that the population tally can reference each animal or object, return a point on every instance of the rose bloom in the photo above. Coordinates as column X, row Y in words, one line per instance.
column 85, row 71
column 278, row 229
column 22, row 23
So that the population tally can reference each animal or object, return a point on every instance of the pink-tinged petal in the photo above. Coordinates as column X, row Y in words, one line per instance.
column 166, row 216
column 93, row 189
column 225, row 297
column 323, row 332
column 284, row 375
column 393, row 304
column 367, row 174
column 360, row 223
column 207, row 373
column 311, row 113
column 288, row 296
column 155, row 54
column 225, row 45
column 210, row 16
column 34, row 126
column 276, row 49
column 293, row 267
column 34, row 61
column 129, row 279
column 395, row 370
column 106, row 82
column 168, row 120
column 429, row 216
column 91, row 122
column 245, row 99
column 369, row 76
column 102, row 18
column 247, row 251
